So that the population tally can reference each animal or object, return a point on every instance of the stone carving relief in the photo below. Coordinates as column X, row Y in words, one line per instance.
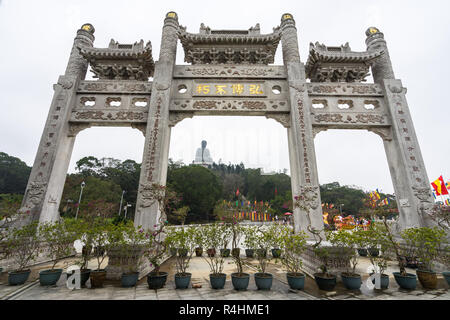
column 65, row 83
column 384, row 133
column 75, row 128
column 284, row 119
column 115, row 86
column 345, row 89
column 307, row 198
column 230, row 71
column 176, row 117
column 140, row 126
column 360, row 118
column 110, row 116
column 36, row 192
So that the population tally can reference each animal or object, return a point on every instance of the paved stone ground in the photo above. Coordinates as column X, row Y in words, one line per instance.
column 200, row 275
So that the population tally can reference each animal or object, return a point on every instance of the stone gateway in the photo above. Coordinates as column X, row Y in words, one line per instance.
column 230, row 72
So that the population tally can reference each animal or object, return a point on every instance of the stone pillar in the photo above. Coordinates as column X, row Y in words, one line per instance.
column 157, row 137
column 408, row 173
column 304, row 179
column 46, row 181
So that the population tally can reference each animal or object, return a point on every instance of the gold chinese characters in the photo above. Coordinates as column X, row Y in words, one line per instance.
column 234, row 89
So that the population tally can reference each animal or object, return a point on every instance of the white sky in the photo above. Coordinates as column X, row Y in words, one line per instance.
column 36, row 38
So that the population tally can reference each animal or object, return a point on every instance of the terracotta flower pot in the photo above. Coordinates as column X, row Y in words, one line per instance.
column 428, row 279
column 97, row 277
column 198, row 252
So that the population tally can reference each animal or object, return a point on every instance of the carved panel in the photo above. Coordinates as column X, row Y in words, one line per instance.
column 228, row 106
column 114, row 86
column 351, row 89
column 108, row 115
column 229, row 71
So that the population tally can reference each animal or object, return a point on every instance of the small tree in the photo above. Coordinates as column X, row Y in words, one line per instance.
column 104, row 235
column 130, row 242
column 250, row 239
column 321, row 252
column 58, row 238
column 181, row 214
column 376, row 237
column 346, row 243
column 275, row 233
column 263, row 241
column 395, row 246
column 427, row 242
column 227, row 234
column 156, row 246
column 212, row 238
column 294, row 245
column 24, row 245
column 185, row 242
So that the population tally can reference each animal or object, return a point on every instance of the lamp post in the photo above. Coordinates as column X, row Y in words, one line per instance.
column 340, row 208
column 126, row 209
column 79, row 200
column 121, row 199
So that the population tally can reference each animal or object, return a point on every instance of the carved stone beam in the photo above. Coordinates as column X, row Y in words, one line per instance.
column 283, row 118
column 175, row 117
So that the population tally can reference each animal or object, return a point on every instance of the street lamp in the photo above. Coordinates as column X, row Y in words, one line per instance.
column 79, row 200
column 121, row 199
column 126, row 209
column 340, row 208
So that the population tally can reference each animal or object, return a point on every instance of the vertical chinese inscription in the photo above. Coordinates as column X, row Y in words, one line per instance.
column 301, row 114
column 150, row 166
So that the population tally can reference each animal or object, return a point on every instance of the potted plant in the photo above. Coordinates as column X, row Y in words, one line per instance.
column 58, row 239
column 249, row 241
column 294, row 245
column 236, row 232
column 324, row 279
column 130, row 244
column 376, row 237
column 239, row 279
column 274, row 233
column 184, row 240
column 263, row 279
column 85, row 236
column 346, row 243
column 226, row 238
column 427, row 242
column 158, row 241
column 24, row 247
column 101, row 232
column 213, row 239
column 198, row 239
column 404, row 279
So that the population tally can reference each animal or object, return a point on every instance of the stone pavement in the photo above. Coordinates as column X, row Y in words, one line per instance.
column 200, row 275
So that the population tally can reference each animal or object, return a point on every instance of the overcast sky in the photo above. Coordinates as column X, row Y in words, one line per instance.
column 36, row 38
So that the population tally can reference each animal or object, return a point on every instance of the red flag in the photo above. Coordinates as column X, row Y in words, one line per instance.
column 237, row 192
column 439, row 186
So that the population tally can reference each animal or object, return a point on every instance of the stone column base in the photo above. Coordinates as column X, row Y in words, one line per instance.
column 312, row 263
